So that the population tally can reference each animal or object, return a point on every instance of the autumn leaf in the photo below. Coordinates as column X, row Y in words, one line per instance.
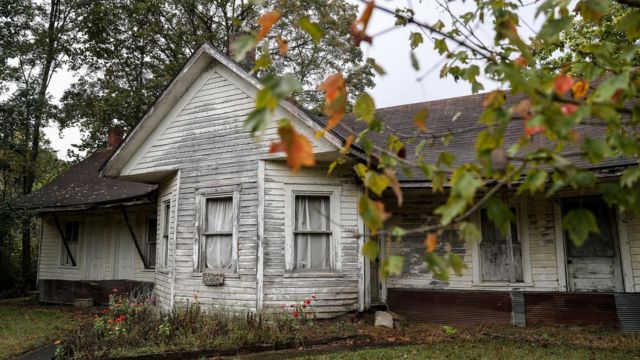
column 562, row 84
column 347, row 145
column 532, row 129
column 359, row 27
column 494, row 99
column 372, row 213
column 568, row 109
column 580, row 89
column 523, row 108
column 266, row 22
column 297, row 147
column 336, row 99
column 395, row 184
column 430, row 243
column 521, row 61
column 283, row 46
column 421, row 119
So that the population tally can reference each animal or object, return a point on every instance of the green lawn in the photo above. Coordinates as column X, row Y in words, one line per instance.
column 497, row 349
column 25, row 327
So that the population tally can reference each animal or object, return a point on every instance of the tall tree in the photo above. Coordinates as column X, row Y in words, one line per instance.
column 132, row 49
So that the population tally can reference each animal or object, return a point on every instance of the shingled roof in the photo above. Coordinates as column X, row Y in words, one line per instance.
column 81, row 186
column 459, row 116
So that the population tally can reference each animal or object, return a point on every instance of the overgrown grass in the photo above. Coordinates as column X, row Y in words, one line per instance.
column 24, row 327
column 490, row 349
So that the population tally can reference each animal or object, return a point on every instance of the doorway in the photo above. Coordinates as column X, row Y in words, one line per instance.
column 595, row 265
column 123, row 252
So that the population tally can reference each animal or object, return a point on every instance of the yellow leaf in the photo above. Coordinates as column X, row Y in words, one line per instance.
column 347, row 145
column 580, row 89
column 266, row 22
column 395, row 184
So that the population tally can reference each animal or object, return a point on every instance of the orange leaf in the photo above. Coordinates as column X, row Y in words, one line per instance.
column 494, row 99
column 532, row 130
column 395, row 184
column 580, row 89
column 521, row 61
column 359, row 27
column 421, row 119
column 562, row 84
column 523, row 108
column 297, row 147
column 283, row 46
column 568, row 109
column 430, row 242
column 336, row 99
column 266, row 22
column 347, row 145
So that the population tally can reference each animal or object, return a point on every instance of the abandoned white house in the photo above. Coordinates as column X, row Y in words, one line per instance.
column 233, row 224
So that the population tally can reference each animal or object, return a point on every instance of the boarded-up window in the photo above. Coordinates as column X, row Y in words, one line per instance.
column 218, row 233
column 151, row 241
column 312, row 233
column 500, row 254
column 166, row 213
column 71, row 234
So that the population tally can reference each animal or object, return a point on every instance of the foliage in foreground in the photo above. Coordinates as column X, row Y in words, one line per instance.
column 129, row 326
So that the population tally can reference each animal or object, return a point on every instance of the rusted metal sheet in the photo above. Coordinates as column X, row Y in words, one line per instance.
column 65, row 291
column 585, row 309
column 451, row 307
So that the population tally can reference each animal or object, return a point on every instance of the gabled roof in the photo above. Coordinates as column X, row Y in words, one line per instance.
column 81, row 186
column 199, row 61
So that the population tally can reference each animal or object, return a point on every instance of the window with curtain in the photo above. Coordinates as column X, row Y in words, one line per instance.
column 166, row 213
column 71, row 234
column 500, row 257
column 312, row 233
column 151, row 241
column 218, row 233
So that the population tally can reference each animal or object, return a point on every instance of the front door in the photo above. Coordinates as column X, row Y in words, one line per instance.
column 123, row 251
column 94, row 238
column 594, row 266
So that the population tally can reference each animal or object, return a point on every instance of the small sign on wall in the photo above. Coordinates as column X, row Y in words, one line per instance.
column 213, row 279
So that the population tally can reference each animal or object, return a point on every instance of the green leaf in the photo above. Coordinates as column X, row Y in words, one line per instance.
column 377, row 68
column 454, row 207
column 456, row 263
column 372, row 213
column 242, row 46
column 630, row 176
column 371, row 249
column 414, row 61
column 534, row 181
column 465, row 183
column 630, row 24
column 596, row 150
column 499, row 214
column 364, row 107
column 263, row 61
column 416, row 39
column 398, row 232
column 579, row 223
column 608, row 88
column 469, row 232
column 441, row 46
column 593, row 10
column 437, row 265
column 314, row 30
column 258, row 120
column 391, row 265
column 445, row 158
column 550, row 31
column 376, row 182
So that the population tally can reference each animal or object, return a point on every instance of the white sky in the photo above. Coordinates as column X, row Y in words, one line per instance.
column 391, row 50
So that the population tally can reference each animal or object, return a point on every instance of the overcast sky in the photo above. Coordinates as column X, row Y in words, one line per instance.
column 401, row 85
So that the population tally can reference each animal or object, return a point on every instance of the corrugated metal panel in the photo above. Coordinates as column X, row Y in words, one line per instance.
column 589, row 309
column 518, row 313
column 451, row 307
column 628, row 307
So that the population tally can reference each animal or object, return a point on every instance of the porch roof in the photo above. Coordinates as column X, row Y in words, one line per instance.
column 81, row 186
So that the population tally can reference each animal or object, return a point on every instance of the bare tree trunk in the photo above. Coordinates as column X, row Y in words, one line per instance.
column 39, row 113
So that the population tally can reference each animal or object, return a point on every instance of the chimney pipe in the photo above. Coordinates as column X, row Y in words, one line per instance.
column 114, row 137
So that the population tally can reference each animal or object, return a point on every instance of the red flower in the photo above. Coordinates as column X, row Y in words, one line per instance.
column 292, row 305
column 105, row 311
column 314, row 297
column 304, row 306
column 295, row 314
column 307, row 302
column 109, row 321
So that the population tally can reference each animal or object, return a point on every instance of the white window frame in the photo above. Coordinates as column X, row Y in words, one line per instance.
column 165, row 222
column 333, row 192
column 522, row 221
column 232, row 192
column 63, row 248
column 147, row 242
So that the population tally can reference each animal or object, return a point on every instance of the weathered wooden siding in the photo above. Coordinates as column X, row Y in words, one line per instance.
column 538, row 218
column 111, row 221
column 203, row 138
column 337, row 293
column 167, row 191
